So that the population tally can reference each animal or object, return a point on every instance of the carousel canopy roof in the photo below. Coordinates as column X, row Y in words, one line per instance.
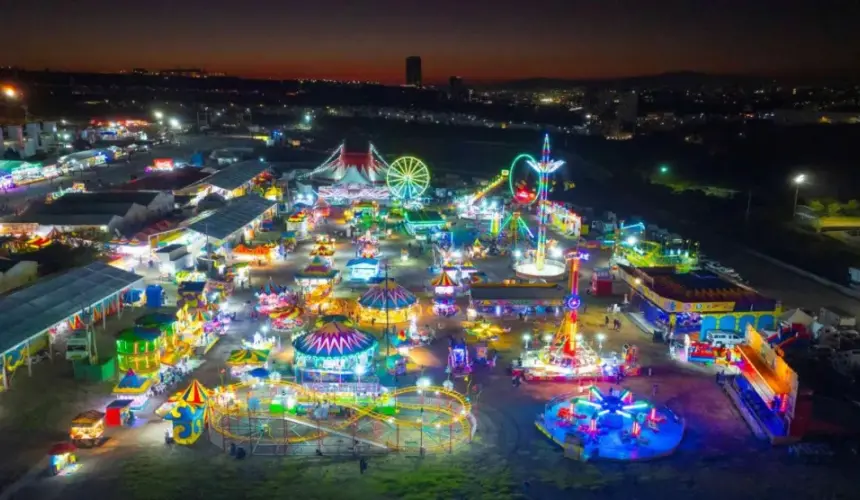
column 196, row 394
column 318, row 268
column 139, row 334
column 387, row 294
column 248, row 357
column 442, row 280
column 132, row 383
column 334, row 339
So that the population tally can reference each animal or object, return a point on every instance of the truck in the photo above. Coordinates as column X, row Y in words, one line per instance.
column 78, row 346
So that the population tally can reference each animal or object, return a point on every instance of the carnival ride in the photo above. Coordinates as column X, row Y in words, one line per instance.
column 280, row 417
column 482, row 192
column 387, row 303
column 407, row 178
column 566, row 356
column 485, row 331
column 335, row 351
column 444, row 288
column 611, row 425
column 521, row 192
column 459, row 364
column 540, row 267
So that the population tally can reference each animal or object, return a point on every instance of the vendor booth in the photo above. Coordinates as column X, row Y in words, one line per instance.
column 362, row 269
column 135, row 388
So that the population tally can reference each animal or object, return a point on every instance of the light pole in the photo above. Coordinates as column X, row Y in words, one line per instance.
column 798, row 180
column 14, row 94
column 600, row 338
column 526, row 339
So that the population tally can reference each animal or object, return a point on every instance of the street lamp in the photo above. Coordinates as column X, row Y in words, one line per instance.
column 526, row 339
column 664, row 169
column 600, row 338
column 174, row 123
column 158, row 115
column 798, row 180
column 14, row 94
column 547, row 338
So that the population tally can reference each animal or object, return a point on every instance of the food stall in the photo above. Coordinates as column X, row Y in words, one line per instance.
column 87, row 428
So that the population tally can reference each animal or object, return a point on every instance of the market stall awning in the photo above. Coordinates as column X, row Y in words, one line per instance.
column 248, row 357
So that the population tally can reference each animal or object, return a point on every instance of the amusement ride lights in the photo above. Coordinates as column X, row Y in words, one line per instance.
column 544, row 169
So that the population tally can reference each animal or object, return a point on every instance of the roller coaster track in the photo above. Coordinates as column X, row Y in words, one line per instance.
column 462, row 417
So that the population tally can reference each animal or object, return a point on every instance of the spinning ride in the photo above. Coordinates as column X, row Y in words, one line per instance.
column 336, row 351
column 444, row 303
column 521, row 192
column 387, row 302
column 611, row 425
column 407, row 178
column 540, row 267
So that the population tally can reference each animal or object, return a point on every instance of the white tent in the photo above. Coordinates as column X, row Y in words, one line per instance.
column 353, row 177
column 796, row 317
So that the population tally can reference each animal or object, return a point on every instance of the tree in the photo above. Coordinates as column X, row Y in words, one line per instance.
column 852, row 206
column 833, row 209
column 816, row 206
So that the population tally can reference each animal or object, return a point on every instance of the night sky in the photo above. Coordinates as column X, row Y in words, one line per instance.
column 481, row 40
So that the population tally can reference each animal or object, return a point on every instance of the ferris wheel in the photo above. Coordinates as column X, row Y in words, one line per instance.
column 407, row 178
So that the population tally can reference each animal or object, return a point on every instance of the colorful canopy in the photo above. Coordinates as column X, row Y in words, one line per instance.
column 387, row 294
column 259, row 372
column 442, row 280
column 196, row 394
column 62, row 449
column 248, row 357
column 317, row 268
column 334, row 340
column 272, row 289
column 362, row 261
column 132, row 383
column 287, row 314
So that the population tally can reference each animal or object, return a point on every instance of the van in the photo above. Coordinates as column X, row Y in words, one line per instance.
column 723, row 338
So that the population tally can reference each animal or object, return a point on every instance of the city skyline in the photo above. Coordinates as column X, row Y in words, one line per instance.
column 544, row 39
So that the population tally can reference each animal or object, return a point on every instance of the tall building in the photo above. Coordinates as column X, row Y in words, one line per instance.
column 413, row 71
column 628, row 107
column 457, row 90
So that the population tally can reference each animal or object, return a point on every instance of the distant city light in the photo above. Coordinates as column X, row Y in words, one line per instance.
column 664, row 169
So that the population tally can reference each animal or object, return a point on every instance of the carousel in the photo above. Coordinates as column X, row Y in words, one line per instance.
column 244, row 360
column 272, row 297
column 318, row 273
column 335, row 351
column 444, row 289
column 387, row 302
column 324, row 248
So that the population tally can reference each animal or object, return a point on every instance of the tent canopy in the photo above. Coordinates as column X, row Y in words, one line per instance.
column 387, row 294
column 334, row 339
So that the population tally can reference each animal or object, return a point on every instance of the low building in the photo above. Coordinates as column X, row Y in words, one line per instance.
column 238, row 219
column 697, row 301
column 109, row 211
column 233, row 181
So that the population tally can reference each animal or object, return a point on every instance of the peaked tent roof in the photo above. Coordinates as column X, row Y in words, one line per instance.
column 387, row 292
column 353, row 176
column 195, row 394
column 796, row 316
column 442, row 280
column 132, row 383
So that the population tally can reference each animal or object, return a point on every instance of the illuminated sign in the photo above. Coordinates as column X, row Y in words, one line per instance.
column 162, row 164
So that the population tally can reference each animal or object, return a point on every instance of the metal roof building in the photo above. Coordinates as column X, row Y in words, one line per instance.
column 236, row 175
column 29, row 313
column 229, row 220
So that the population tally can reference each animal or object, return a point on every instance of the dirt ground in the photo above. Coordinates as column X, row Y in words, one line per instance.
column 509, row 458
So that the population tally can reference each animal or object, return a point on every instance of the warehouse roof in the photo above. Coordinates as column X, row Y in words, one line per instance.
column 49, row 219
column 236, row 174
column 232, row 218
column 29, row 312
